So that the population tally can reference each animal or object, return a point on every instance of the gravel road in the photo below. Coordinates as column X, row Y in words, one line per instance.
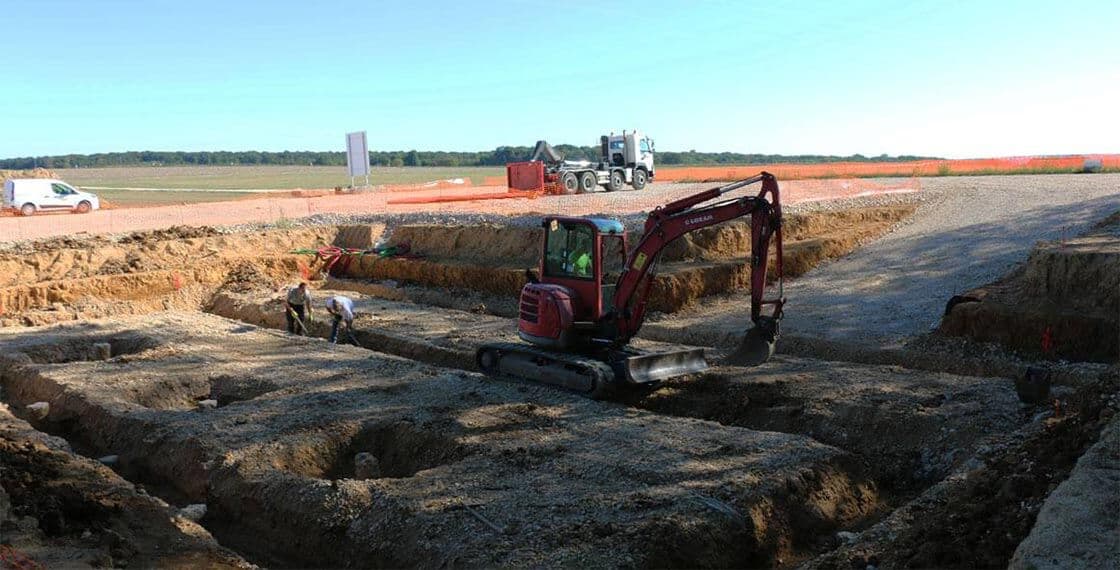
column 967, row 232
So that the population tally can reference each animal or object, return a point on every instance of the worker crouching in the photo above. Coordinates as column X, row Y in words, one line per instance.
column 341, row 309
column 297, row 308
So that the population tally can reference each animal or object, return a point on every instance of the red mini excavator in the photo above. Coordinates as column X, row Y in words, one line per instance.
column 579, row 321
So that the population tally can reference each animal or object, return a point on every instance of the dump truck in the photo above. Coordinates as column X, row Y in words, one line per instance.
column 578, row 314
column 625, row 159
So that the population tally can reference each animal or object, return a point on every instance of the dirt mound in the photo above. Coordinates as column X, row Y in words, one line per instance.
column 359, row 237
column 174, row 232
column 248, row 276
column 147, row 272
column 1085, row 271
column 510, row 245
column 733, row 239
column 1063, row 303
column 492, row 259
column 29, row 173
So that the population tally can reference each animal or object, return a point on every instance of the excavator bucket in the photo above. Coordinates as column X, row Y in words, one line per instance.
column 756, row 347
column 656, row 366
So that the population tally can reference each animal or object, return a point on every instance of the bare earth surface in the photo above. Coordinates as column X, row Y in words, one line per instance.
column 187, row 430
column 969, row 231
column 272, row 209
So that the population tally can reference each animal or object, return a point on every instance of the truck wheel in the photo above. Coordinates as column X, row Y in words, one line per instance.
column 27, row 210
column 83, row 207
column 616, row 181
column 640, row 178
column 587, row 182
column 568, row 183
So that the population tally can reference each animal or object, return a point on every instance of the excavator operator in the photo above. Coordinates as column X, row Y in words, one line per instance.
column 580, row 258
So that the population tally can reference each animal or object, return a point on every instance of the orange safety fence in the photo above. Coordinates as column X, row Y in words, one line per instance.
column 1022, row 164
column 493, row 194
column 454, row 183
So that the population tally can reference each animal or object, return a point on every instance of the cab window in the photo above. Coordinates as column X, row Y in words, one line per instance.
column 62, row 189
column 617, row 145
column 569, row 251
column 644, row 145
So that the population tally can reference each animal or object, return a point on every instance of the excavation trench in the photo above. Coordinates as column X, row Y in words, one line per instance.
column 908, row 429
column 308, row 454
column 133, row 432
column 129, row 429
column 321, row 456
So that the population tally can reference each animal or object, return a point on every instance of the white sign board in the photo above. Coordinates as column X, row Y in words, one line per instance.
column 357, row 154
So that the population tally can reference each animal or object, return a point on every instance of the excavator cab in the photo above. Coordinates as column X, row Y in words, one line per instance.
column 580, row 255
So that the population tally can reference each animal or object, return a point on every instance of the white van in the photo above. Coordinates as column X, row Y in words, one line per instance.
column 30, row 195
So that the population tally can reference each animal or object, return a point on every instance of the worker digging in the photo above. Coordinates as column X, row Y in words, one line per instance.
column 297, row 308
column 341, row 309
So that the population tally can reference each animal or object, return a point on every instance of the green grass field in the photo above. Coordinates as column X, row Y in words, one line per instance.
column 165, row 197
column 260, row 177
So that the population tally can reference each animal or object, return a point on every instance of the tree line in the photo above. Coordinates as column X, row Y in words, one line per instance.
column 497, row 157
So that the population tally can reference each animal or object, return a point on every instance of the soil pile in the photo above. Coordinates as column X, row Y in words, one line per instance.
column 29, row 173
column 1064, row 303
column 176, row 268
column 492, row 259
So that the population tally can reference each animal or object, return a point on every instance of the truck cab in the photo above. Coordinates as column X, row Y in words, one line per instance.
column 31, row 195
column 631, row 151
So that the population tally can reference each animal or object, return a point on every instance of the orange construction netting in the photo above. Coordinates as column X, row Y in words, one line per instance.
column 1010, row 165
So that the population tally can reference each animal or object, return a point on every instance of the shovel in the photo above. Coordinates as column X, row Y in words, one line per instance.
column 299, row 322
column 350, row 333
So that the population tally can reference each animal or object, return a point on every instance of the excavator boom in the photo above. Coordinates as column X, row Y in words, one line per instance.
column 689, row 214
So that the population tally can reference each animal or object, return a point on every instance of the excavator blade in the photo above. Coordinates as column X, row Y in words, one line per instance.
column 756, row 347
column 656, row 366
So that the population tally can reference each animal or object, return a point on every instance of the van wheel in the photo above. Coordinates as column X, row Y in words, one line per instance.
column 640, row 178
column 84, row 207
column 27, row 210
column 588, row 182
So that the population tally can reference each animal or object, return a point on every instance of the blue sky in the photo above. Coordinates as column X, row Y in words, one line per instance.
column 955, row 79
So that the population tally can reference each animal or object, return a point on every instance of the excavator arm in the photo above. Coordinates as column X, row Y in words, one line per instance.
column 692, row 213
